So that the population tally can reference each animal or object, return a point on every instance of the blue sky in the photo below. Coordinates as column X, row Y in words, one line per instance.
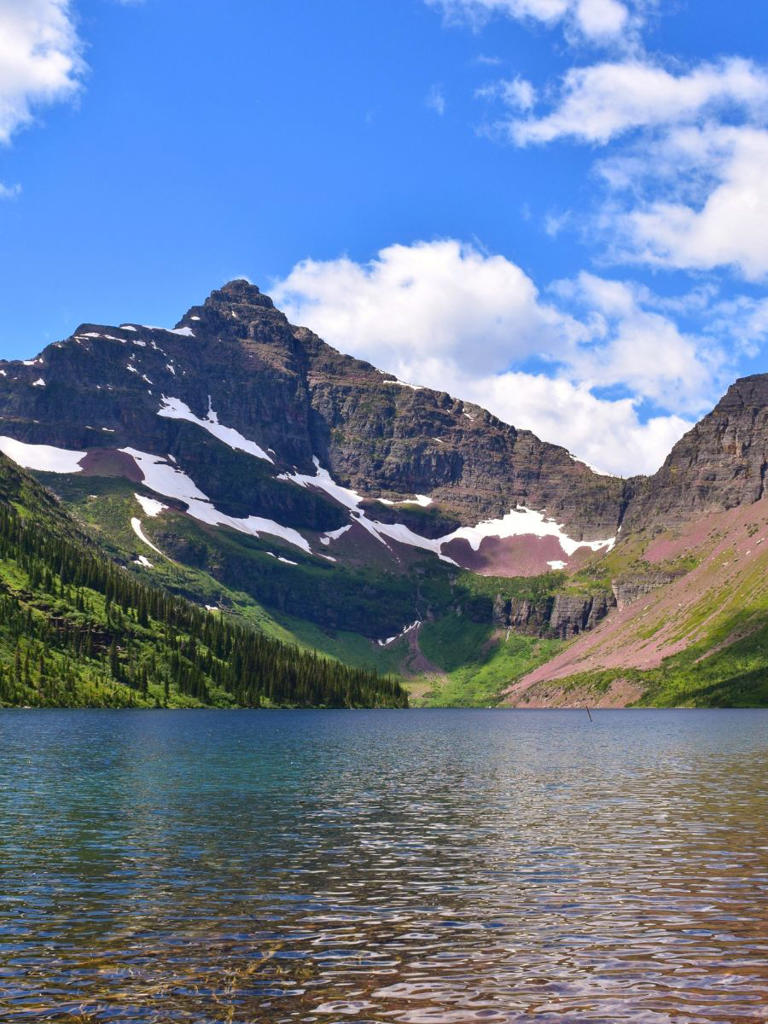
column 555, row 208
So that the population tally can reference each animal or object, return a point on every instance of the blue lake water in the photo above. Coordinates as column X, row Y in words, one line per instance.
column 423, row 867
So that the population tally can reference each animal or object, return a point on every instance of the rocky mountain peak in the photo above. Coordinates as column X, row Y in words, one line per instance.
column 232, row 311
column 239, row 292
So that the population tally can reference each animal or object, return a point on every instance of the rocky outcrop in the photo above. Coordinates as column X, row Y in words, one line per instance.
column 560, row 615
column 719, row 464
column 235, row 362
column 628, row 589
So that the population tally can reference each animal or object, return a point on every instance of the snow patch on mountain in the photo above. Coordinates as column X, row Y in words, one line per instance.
column 420, row 499
column 185, row 332
column 322, row 480
column 151, row 507
column 175, row 409
column 136, row 527
column 403, row 384
column 41, row 457
column 521, row 522
column 398, row 636
column 163, row 478
column 334, row 534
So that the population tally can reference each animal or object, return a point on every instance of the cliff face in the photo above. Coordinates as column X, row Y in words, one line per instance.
column 561, row 615
column 719, row 464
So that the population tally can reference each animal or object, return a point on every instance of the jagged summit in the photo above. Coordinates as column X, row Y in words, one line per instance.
column 237, row 357
column 239, row 292
column 232, row 309
column 240, row 444
column 235, row 367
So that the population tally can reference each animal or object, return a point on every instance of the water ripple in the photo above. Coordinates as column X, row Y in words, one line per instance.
column 369, row 868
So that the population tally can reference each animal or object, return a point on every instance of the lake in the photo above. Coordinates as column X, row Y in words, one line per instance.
column 423, row 867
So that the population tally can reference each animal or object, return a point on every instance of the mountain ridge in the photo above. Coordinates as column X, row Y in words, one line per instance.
column 241, row 455
column 304, row 401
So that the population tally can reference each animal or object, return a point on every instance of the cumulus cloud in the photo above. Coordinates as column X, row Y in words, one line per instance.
column 599, row 102
column 441, row 298
column 446, row 315
column 640, row 348
column 729, row 227
column 689, row 152
column 608, row 435
column 40, row 59
column 9, row 191
column 595, row 20
column 517, row 93
column 601, row 18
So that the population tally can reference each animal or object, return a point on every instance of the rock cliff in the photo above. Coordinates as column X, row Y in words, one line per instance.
column 719, row 464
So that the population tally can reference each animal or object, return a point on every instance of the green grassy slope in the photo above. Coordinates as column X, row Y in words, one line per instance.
column 479, row 661
column 700, row 640
column 317, row 607
column 78, row 629
column 324, row 608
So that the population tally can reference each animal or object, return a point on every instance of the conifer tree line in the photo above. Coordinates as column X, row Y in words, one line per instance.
column 76, row 628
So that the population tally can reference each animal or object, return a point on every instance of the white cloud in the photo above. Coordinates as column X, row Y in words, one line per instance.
column 599, row 102
column 729, row 227
column 693, row 169
column 598, row 21
column 597, row 18
column 608, row 435
column 742, row 320
column 554, row 223
column 549, row 11
column 445, row 315
column 517, row 93
column 639, row 348
column 442, row 298
column 40, row 60
column 9, row 191
column 436, row 100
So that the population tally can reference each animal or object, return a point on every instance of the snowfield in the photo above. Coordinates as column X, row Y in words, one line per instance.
column 175, row 409
column 163, row 478
column 43, row 458
column 519, row 522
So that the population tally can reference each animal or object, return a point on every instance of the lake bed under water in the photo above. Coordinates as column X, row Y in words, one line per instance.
column 419, row 867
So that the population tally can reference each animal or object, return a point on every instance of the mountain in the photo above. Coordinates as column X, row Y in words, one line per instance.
column 239, row 461
column 235, row 408
column 720, row 464
column 689, row 578
column 76, row 629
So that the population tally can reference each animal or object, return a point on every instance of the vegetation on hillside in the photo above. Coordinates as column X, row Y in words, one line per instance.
column 78, row 629
column 479, row 662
